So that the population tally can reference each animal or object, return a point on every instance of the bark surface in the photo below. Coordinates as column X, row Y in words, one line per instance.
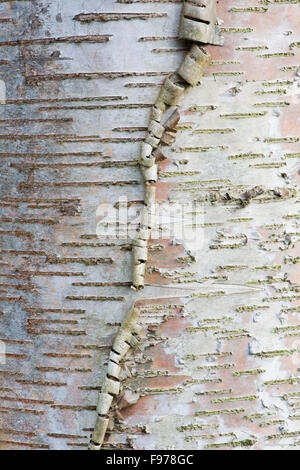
column 218, row 363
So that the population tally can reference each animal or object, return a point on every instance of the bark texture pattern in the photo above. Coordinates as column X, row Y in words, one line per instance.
column 218, row 360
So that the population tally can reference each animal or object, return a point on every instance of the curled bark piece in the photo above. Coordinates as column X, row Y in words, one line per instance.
column 144, row 233
column 156, row 114
column 140, row 254
column 168, row 138
column 138, row 328
column 198, row 22
column 160, row 105
column 171, row 90
column 203, row 10
column 122, row 335
column 122, row 338
column 93, row 446
column 153, row 141
column 173, row 120
column 150, row 195
column 139, row 271
column 134, row 342
column 128, row 398
column 112, row 387
column 122, row 347
column 139, row 243
column 148, row 219
column 113, row 370
column 114, row 357
column 104, row 403
column 125, row 373
column 159, row 156
column 156, row 129
column 100, row 431
column 146, row 159
column 150, row 174
column 194, row 64
column 130, row 321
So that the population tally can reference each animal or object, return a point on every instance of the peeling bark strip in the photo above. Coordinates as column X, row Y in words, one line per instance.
column 189, row 74
column 174, row 86
column 124, row 340
column 89, row 17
